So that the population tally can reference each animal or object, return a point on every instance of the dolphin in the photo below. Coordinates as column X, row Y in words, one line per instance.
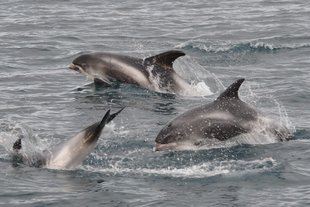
column 67, row 154
column 220, row 120
column 154, row 73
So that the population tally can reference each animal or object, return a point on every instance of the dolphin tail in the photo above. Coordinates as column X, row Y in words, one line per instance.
column 112, row 116
column 232, row 90
column 106, row 119
column 165, row 59
column 93, row 131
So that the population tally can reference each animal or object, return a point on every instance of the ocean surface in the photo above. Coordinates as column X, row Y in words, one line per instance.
column 42, row 101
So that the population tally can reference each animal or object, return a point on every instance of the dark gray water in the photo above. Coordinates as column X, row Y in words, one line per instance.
column 266, row 42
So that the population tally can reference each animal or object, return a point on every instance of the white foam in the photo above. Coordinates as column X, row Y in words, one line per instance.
column 226, row 46
column 206, row 169
column 32, row 146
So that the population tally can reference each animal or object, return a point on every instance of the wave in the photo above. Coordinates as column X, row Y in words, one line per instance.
column 302, row 134
column 251, row 46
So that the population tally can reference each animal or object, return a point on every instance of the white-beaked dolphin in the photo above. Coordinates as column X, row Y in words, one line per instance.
column 222, row 119
column 69, row 153
column 154, row 73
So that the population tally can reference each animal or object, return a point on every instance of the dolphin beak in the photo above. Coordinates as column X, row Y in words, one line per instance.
column 74, row 67
column 161, row 147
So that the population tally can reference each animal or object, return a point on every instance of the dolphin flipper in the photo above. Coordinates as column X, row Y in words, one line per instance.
column 100, row 83
column 17, row 144
column 165, row 59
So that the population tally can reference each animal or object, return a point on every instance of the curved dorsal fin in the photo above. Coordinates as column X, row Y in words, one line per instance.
column 232, row 90
column 165, row 59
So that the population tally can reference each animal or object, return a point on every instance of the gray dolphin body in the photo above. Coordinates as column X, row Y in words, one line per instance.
column 67, row 154
column 226, row 117
column 154, row 73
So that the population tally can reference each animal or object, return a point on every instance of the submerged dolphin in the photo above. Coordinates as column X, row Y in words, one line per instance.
column 154, row 73
column 224, row 118
column 67, row 154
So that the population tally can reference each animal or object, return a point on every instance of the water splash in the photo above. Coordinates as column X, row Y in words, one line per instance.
column 32, row 147
column 202, row 82
column 198, row 75
column 273, row 112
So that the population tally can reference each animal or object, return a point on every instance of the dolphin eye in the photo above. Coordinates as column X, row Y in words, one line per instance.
column 83, row 65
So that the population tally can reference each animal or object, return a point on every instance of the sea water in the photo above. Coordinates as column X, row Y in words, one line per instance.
column 42, row 101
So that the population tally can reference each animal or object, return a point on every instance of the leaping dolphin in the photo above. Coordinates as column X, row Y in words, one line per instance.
column 67, row 154
column 154, row 73
column 224, row 118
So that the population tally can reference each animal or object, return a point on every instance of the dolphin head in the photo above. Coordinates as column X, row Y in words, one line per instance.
column 171, row 135
column 90, row 63
column 168, row 134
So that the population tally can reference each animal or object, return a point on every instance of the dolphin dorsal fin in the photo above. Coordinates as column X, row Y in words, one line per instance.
column 232, row 90
column 165, row 59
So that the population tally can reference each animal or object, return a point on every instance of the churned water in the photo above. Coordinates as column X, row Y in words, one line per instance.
column 266, row 42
